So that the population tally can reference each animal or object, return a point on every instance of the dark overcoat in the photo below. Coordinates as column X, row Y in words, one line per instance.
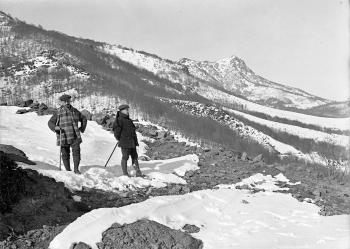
column 125, row 131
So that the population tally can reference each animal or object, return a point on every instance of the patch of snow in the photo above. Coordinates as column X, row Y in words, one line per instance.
column 262, row 182
column 227, row 218
column 30, row 133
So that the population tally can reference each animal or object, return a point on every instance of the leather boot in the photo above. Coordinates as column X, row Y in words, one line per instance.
column 76, row 166
column 137, row 169
column 125, row 167
column 66, row 163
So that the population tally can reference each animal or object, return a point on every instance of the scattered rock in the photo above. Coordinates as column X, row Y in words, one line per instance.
column 147, row 234
column 191, row 228
column 25, row 103
column 22, row 111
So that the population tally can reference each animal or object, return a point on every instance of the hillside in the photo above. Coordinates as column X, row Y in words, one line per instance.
column 39, row 64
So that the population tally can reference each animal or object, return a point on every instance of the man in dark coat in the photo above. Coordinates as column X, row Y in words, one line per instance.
column 65, row 124
column 125, row 133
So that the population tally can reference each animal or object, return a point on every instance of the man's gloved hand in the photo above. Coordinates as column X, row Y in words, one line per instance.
column 57, row 129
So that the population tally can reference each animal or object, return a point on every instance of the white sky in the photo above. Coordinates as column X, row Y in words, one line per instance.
column 302, row 43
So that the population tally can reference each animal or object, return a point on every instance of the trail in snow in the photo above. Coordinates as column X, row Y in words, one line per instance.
column 227, row 217
column 29, row 132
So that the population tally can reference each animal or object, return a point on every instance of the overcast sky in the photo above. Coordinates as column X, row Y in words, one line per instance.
column 301, row 43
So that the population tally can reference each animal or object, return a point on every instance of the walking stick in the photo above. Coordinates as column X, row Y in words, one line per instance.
column 111, row 154
column 60, row 148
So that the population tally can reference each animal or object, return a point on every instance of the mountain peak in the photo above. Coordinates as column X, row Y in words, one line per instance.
column 5, row 18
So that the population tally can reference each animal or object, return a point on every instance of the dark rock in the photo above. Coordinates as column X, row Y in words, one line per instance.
column 206, row 149
column 34, row 105
column 4, row 230
column 22, row 111
column 147, row 234
column 53, row 202
column 87, row 114
column 191, row 228
column 25, row 103
column 144, row 158
column 15, row 154
column 45, row 110
column 80, row 245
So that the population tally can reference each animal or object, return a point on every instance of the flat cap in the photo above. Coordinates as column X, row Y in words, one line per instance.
column 65, row 97
column 122, row 107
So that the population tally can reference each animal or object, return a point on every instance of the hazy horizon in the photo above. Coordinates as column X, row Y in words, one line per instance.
column 304, row 44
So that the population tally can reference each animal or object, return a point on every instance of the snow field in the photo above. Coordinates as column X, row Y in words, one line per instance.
column 30, row 133
column 227, row 218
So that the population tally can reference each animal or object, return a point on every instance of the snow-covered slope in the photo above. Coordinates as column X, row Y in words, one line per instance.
column 233, row 75
column 318, row 136
column 282, row 148
column 29, row 132
column 230, row 74
column 227, row 218
column 342, row 124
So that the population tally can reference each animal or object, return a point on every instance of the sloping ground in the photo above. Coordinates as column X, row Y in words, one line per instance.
column 30, row 133
column 317, row 136
column 285, row 148
column 36, row 201
column 227, row 218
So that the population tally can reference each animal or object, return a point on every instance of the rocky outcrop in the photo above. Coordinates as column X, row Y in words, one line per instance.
column 15, row 154
column 147, row 234
column 30, row 200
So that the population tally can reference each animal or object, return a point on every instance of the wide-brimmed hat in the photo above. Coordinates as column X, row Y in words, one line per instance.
column 122, row 107
column 65, row 97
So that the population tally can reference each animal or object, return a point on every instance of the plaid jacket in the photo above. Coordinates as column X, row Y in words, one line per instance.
column 68, row 119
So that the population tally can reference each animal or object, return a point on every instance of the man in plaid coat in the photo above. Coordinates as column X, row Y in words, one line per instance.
column 65, row 122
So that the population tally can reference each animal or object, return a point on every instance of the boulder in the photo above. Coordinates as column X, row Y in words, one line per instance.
column 22, row 111
column 80, row 245
column 147, row 234
column 25, row 103
column 15, row 154
column 87, row 114
column 191, row 228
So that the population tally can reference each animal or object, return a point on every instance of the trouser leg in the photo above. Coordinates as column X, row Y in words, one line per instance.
column 125, row 157
column 76, row 156
column 66, row 157
column 135, row 162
